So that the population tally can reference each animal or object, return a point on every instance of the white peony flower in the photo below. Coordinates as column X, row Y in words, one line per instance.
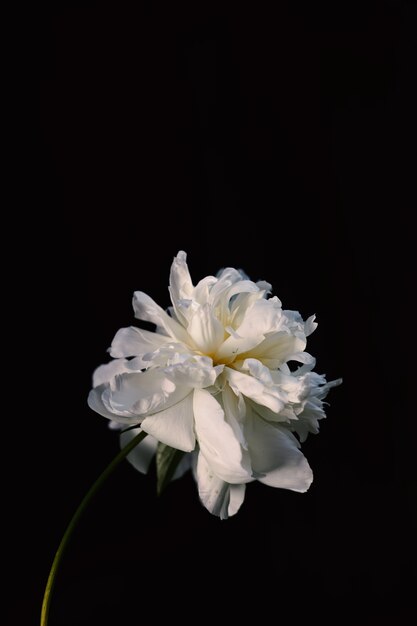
column 213, row 380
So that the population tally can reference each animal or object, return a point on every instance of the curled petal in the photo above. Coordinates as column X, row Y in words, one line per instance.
column 310, row 325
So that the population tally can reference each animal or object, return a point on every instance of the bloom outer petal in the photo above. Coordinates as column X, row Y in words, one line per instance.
column 219, row 497
column 217, row 441
column 142, row 455
column 134, row 341
column 105, row 373
column 181, row 288
column 237, row 496
column 136, row 395
column 234, row 407
column 180, row 282
column 95, row 403
column 173, row 426
column 276, row 457
column 147, row 310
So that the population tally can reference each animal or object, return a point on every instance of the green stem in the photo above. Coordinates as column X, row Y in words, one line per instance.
column 76, row 518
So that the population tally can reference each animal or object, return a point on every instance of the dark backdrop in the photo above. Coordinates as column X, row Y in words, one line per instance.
column 279, row 142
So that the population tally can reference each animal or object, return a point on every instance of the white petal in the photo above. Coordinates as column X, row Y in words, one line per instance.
column 275, row 455
column 277, row 348
column 217, row 441
column 265, row 287
column 308, row 361
column 201, row 292
column 141, row 394
column 146, row 309
column 237, row 495
column 256, row 369
column 242, row 303
column 267, row 395
column 173, row 426
column 206, row 330
column 308, row 419
column 168, row 354
column 142, row 455
column 223, row 297
column 134, row 341
column 285, row 415
column 180, row 279
column 213, row 491
column 235, row 410
column 137, row 364
column 218, row 497
column 234, row 345
column 263, row 316
column 195, row 371
column 324, row 390
column 242, row 286
column 295, row 387
column 225, row 279
column 181, row 289
column 95, row 403
column 292, row 320
column 180, row 285
column 106, row 373
column 115, row 425
column 310, row 325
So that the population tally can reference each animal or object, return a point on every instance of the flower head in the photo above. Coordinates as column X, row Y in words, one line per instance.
column 214, row 380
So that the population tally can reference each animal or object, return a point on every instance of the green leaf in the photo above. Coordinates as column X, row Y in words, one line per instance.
column 167, row 460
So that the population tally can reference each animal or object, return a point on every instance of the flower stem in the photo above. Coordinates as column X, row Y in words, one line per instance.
column 76, row 518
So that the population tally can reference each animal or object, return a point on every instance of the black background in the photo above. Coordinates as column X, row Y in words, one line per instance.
column 278, row 142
